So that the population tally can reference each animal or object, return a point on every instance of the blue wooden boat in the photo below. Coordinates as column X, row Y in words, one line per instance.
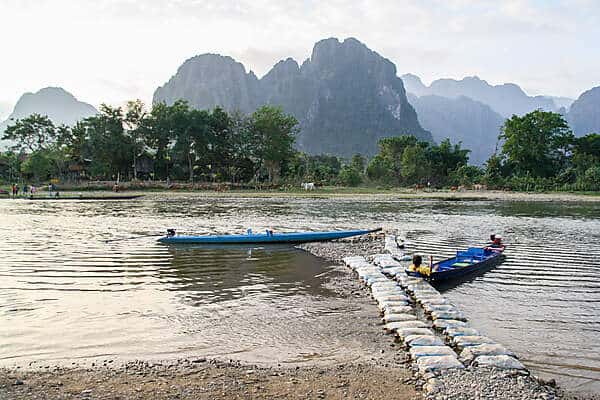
column 267, row 237
column 474, row 259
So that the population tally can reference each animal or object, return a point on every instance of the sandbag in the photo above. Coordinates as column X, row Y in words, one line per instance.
column 422, row 340
column 456, row 315
column 353, row 260
column 398, row 310
column 501, row 361
column 405, row 280
column 455, row 331
column 432, row 300
column 384, row 305
column 398, row 317
column 393, row 326
column 405, row 332
column 390, row 297
column 392, row 271
column 465, row 341
column 378, row 258
column 442, row 324
column 439, row 300
column 470, row 353
column 428, row 351
column 439, row 307
column 438, row 363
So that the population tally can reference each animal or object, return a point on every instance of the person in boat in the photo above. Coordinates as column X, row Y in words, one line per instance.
column 417, row 266
column 496, row 244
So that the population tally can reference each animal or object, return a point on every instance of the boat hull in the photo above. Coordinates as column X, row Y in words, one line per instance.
column 489, row 260
column 296, row 237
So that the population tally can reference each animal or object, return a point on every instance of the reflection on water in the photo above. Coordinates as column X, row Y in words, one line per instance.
column 67, row 293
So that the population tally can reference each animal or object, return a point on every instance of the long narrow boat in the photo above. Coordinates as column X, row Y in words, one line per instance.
column 267, row 237
column 87, row 198
column 474, row 259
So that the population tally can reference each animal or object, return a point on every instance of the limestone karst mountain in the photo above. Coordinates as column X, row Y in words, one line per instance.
column 584, row 114
column 506, row 99
column 345, row 95
column 473, row 123
column 55, row 102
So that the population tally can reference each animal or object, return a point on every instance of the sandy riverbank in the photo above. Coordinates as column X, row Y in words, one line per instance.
column 380, row 371
column 376, row 370
column 472, row 382
column 345, row 193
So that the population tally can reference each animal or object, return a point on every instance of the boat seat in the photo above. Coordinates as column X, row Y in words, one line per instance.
column 461, row 264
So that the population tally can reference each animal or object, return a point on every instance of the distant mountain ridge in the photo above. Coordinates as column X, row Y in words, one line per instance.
column 462, row 119
column 506, row 99
column 55, row 102
column 345, row 96
column 584, row 114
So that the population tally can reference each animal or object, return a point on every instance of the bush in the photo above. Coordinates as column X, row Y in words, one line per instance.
column 350, row 176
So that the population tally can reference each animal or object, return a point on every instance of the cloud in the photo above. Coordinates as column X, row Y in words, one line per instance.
column 107, row 49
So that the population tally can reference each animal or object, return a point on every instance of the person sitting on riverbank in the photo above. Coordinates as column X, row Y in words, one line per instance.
column 417, row 266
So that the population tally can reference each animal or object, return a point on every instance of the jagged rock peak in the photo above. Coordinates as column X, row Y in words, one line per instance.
column 506, row 99
column 55, row 102
column 345, row 95
column 584, row 114
column 210, row 80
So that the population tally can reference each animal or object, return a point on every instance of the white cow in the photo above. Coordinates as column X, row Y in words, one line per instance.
column 308, row 186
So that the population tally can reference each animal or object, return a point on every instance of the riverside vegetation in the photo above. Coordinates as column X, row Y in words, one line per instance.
column 536, row 152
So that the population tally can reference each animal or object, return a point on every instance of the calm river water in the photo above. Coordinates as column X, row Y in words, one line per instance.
column 68, row 294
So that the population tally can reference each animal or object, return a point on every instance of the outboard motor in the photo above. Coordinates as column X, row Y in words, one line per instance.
column 170, row 232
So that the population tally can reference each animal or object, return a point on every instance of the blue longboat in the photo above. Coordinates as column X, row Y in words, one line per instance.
column 265, row 238
column 473, row 260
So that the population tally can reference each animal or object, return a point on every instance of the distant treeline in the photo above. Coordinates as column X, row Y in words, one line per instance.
column 179, row 143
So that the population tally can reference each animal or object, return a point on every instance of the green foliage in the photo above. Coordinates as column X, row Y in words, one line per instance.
column 181, row 143
column 274, row 134
column 106, row 143
column 536, row 144
column 10, row 167
column 403, row 160
column 415, row 164
column 381, row 169
column 466, row 175
column 36, row 132
column 350, row 176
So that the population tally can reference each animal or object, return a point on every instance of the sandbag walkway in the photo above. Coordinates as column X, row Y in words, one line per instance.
column 434, row 331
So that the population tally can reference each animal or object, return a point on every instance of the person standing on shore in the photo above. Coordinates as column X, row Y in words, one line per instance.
column 33, row 189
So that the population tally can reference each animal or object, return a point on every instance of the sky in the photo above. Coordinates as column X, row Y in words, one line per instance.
column 108, row 51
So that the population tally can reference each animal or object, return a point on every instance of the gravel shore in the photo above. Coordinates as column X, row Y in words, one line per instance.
column 378, row 369
column 385, row 374
column 202, row 379
column 472, row 382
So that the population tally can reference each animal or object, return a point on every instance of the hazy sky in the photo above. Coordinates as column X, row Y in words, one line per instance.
column 111, row 51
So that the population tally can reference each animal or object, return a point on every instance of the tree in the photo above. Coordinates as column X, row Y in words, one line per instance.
column 415, row 165
column 466, row 175
column 157, row 133
column 349, row 176
column 358, row 163
column 10, row 166
column 106, row 144
column 493, row 171
column 536, row 144
column 32, row 133
column 274, row 133
column 446, row 158
column 134, row 116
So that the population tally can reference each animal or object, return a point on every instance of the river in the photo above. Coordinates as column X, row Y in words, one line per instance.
column 69, row 291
